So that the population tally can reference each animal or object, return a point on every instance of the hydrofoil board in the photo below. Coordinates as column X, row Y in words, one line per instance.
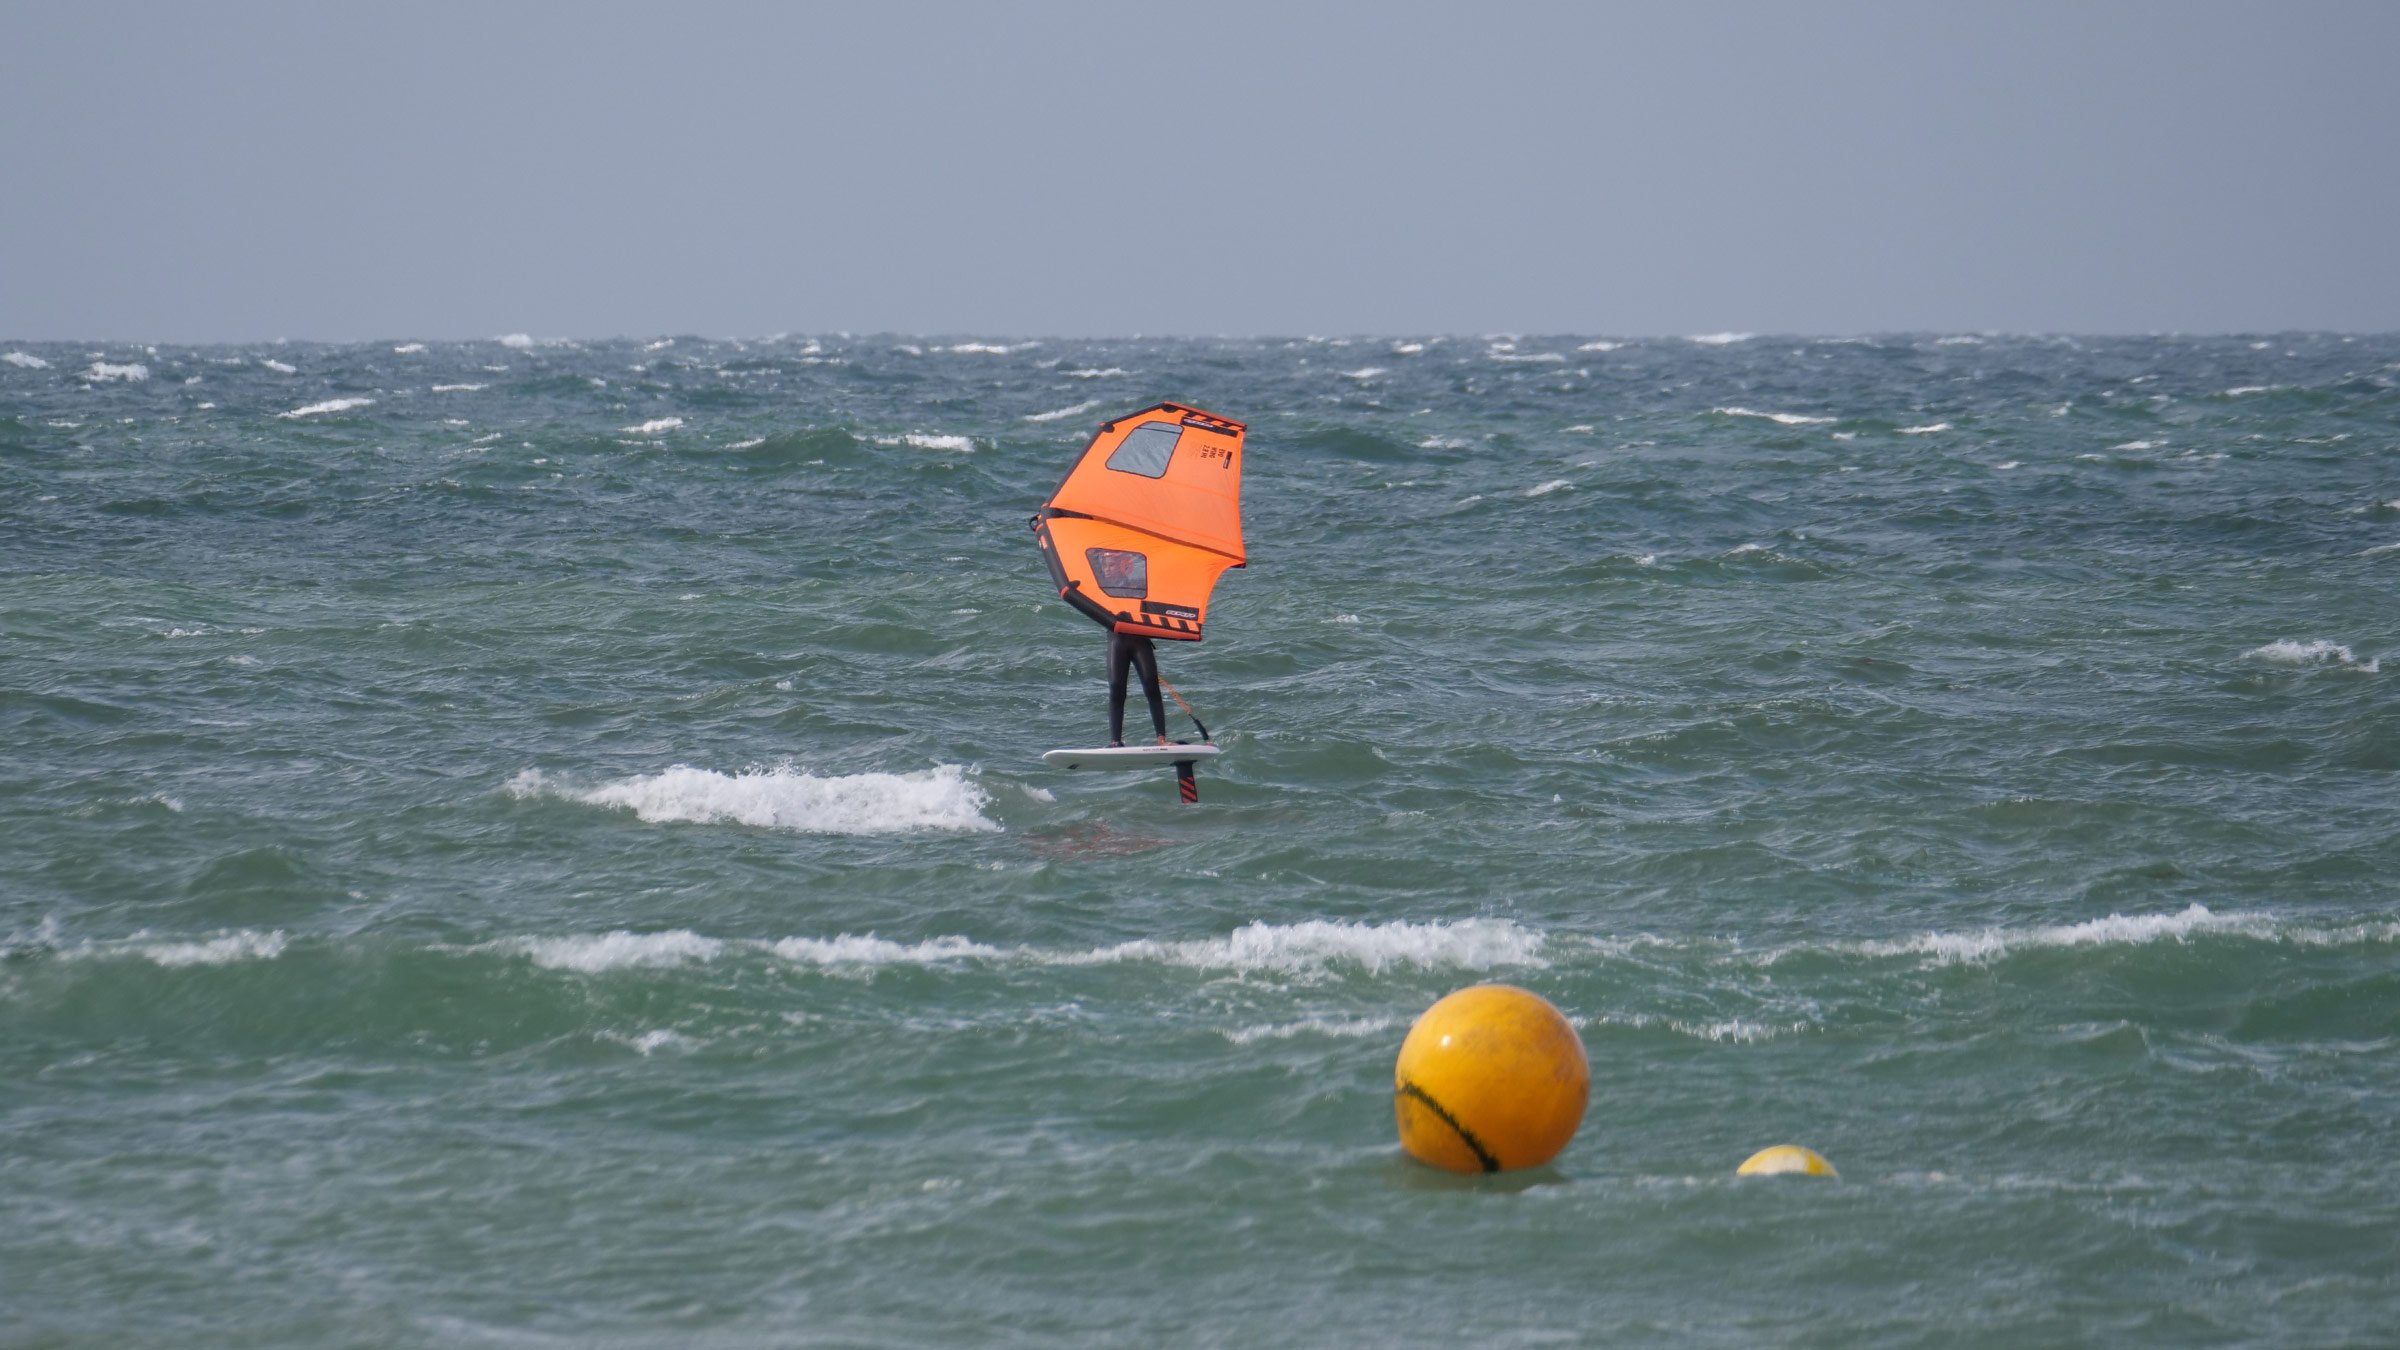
column 1129, row 756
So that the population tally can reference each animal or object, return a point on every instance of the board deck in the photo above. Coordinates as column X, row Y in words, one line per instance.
column 1129, row 756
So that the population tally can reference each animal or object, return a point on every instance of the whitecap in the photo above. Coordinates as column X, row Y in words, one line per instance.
column 924, row 441
column 2138, row 445
column 1600, row 346
column 280, row 368
column 331, row 405
column 619, row 950
column 246, row 945
column 515, row 341
column 1721, row 339
column 2240, row 389
column 2007, row 464
column 990, row 348
column 1315, row 944
column 1091, row 373
column 24, row 360
column 459, row 388
column 1342, row 1028
column 1343, row 618
column 2317, row 652
column 1407, row 348
column 408, row 349
column 751, row 444
column 871, row 950
column 1962, row 340
column 1363, row 373
column 1529, row 358
column 1544, row 489
column 1926, row 430
column 1787, row 419
column 940, row 798
column 2114, row 930
column 102, row 372
column 1057, row 413
column 654, row 426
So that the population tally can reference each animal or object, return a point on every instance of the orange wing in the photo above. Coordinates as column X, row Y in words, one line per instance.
column 1147, row 520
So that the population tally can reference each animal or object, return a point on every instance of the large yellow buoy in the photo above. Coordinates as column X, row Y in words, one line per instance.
column 1490, row 1078
column 1786, row 1160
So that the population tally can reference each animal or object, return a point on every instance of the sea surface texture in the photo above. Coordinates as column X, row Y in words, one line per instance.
column 545, row 843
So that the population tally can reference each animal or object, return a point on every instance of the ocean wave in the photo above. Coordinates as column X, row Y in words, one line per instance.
column 459, row 388
column 408, row 349
column 1544, row 489
column 1362, row 373
column 654, row 426
column 101, row 372
column 331, row 405
column 1787, row 419
column 2316, row 652
column 1601, row 346
column 2115, row 930
column 870, row 950
column 1058, row 413
column 589, row 955
column 515, row 341
column 927, row 441
column 989, row 348
column 1926, row 430
column 940, row 798
column 279, row 367
column 1721, row 339
column 1344, row 1028
column 1472, row 944
column 24, row 360
column 1529, row 358
column 1096, row 373
column 222, row 950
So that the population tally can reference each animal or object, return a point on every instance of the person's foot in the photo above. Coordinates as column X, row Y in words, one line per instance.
column 1164, row 741
column 1116, row 745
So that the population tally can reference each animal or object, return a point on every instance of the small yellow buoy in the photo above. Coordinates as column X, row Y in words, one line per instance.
column 1786, row 1160
column 1490, row 1078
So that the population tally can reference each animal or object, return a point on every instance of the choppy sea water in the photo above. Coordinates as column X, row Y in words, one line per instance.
column 544, row 843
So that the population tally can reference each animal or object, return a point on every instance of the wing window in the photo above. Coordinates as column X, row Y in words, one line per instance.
column 1121, row 572
column 1147, row 450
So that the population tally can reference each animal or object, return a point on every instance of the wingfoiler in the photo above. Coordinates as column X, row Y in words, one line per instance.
column 1136, row 538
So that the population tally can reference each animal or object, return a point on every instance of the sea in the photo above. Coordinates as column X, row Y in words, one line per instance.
column 528, row 842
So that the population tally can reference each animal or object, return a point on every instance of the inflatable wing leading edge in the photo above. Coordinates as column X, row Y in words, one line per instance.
column 1147, row 520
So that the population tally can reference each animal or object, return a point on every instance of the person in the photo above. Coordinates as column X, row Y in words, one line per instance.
column 1129, row 649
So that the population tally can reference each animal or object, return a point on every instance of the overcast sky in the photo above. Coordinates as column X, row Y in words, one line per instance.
column 184, row 172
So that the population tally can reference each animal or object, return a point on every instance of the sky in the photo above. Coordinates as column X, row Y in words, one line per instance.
column 249, row 171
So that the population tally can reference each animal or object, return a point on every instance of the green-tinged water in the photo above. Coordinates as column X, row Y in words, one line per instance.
column 542, row 843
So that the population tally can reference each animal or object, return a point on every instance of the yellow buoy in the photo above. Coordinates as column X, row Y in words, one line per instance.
column 1786, row 1160
column 1490, row 1078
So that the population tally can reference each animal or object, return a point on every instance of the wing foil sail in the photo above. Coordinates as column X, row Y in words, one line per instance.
column 1148, row 519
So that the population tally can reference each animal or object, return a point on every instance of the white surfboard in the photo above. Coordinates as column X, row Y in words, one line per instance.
column 1129, row 757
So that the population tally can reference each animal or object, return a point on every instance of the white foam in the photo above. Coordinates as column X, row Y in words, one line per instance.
column 1363, row 373
column 1962, row 340
column 408, row 349
column 1343, row 618
column 220, row 951
column 1721, row 339
column 331, row 405
column 619, row 950
column 1089, row 373
column 2138, row 445
column 459, row 388
column 1787, row 419
column 1529, row 358
column 2317, row 652
column 279, row 367
column 1601, row 346
column 990, row 348
column 24, row 360
column 651, row 1042
column 871, row 950
column 1057, row 413
column 659, row 346
column 940, row 798
column 1579, row 429
column 2006, row 464
column 1544, row 489
column 1926, row 430
column 750, row 444
column 925, row 441
column 515, row 341
column 1343, row 1028
column 2379, row 548
column 1316, row 944
column 654, row 426
column 102, row 372
column 2114, row 930
column 1740, row 549
column 1407, row 348
column 2240, row 389
column 1444, row 443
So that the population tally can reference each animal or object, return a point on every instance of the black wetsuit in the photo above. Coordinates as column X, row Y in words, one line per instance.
column 1125, row 649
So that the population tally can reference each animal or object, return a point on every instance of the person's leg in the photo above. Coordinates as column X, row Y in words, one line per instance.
column 1145, row 660
column 1119, row 653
